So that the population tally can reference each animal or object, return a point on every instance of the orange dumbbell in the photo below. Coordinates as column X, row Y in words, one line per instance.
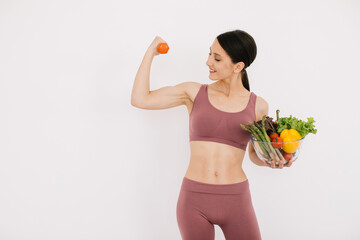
column 163, row 48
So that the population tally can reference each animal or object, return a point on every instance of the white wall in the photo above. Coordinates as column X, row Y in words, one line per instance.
column 77, row 161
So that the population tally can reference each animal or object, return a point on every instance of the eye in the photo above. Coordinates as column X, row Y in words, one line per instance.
column 215, row 58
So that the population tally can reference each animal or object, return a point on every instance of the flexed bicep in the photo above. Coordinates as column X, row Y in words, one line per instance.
column 166, row 97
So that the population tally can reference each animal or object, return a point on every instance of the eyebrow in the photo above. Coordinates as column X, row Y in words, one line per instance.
column 215, row 53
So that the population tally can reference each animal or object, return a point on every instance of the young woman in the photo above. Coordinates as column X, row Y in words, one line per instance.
column 215, row 189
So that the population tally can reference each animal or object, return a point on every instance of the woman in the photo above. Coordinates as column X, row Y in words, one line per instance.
column 215, row 189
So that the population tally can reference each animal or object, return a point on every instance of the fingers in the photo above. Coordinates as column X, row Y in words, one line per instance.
column 273, row 165
column 267, row 164
column 289, row 163
column 281, row 164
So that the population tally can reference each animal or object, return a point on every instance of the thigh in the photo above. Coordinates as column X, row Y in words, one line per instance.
column 192, row 221
column 237, row 218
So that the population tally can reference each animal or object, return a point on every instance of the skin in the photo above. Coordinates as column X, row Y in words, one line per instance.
column 210, row 162
column 227, row 93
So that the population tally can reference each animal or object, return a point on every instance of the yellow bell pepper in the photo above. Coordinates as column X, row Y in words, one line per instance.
column 288, row 135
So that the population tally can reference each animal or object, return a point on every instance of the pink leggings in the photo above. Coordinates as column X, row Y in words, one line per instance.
column 201, row 205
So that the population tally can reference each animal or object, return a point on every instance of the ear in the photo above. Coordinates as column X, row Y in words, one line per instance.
column 238, row 67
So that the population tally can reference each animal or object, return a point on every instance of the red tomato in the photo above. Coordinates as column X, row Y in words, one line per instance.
column 277, row 142
column 274, row 135
column 288, row 156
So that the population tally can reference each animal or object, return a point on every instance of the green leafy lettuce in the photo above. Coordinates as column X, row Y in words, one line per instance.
column 304, row 128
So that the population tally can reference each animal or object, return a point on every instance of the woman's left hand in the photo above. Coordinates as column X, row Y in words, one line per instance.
column 281, row 164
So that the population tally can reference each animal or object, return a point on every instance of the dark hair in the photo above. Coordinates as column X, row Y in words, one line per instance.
column 241, row 47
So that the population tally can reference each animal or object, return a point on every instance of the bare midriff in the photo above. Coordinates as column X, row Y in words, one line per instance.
column 215, row 163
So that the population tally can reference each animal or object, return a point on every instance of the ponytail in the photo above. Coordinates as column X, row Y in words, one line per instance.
column 244, row 79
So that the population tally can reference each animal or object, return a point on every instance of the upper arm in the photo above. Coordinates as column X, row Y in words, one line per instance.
column 167, row 97
column 261, row 109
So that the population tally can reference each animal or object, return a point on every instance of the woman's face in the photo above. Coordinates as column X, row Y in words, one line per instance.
column 220, row 62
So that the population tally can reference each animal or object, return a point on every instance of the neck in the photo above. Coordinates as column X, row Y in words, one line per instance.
column 232, row 86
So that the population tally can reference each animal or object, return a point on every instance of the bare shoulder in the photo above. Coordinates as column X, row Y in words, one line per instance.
column 261, row 108
column 191, row 89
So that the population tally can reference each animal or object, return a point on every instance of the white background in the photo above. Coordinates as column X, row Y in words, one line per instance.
column 78, row 161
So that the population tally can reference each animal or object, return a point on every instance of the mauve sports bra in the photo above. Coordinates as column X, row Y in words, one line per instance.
column 207, row 123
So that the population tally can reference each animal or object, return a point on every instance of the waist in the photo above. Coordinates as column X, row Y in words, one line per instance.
column 215, row 171
column 215, row 163
column 200, row 187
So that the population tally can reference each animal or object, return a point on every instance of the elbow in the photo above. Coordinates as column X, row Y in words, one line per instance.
column 133, row 103
column 136, row 104
column 134, row 100
column 138, row 101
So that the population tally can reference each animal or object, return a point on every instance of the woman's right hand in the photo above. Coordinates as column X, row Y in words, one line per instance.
column 153, row 46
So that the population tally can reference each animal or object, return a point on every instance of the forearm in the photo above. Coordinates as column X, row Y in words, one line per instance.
column 256, row 160
column 141, row 86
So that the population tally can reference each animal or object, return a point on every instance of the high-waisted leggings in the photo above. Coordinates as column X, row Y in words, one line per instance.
column 201, row 205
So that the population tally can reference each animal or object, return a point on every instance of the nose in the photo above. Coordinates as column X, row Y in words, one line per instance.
column 208, row 62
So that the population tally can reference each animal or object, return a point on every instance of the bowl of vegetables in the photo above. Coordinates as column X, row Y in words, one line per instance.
column 281, row 139
column 275, row 150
